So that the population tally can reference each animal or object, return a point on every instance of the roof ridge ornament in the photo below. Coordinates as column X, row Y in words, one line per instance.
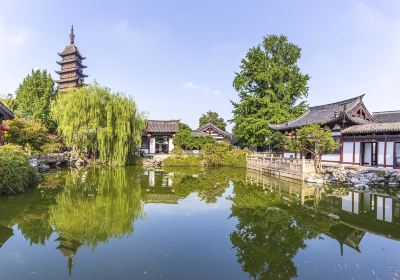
column 72, row 36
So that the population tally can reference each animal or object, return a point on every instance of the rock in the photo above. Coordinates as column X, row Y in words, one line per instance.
column 314, row 178
column 43, row 167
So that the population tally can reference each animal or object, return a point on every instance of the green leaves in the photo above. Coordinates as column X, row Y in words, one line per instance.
column 214, row 118
column 184, row 139
column 314, row 140
column 33, row 98
column 104, row 125
column 270, row 88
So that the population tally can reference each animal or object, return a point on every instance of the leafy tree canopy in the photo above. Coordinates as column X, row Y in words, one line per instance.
column 104, row 125
column 29, row 134
column 184, row 139
column 314, row 140
column 33, row 98
column 214, row 118
column 270, row 87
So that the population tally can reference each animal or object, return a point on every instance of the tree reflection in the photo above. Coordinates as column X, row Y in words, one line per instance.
column 96, row 204
column 268, row 233
column 210, row 184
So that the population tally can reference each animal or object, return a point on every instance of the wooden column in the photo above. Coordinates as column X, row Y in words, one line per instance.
column 354, row 150
column 341, row 149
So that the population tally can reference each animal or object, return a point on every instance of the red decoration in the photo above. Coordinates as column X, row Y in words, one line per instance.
column 5, row 127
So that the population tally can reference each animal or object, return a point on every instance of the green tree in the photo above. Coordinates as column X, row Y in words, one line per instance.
column 29, row 134
column 185, row 139
column 314, row 140
column 33, row 98
column 104, row 125
column 214, row 118
column 270, row 87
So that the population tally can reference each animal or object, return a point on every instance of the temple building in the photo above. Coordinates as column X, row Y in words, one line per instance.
column 71, row 73
column 334, row 116
column 212, row 130
column 365, row 139
column 158, row 136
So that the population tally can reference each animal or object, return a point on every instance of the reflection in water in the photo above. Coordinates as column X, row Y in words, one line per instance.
column 94, row 206
column 270, row 222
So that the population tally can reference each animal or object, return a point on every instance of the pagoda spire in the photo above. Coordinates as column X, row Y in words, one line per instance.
column 72, row 36
column 71, row 72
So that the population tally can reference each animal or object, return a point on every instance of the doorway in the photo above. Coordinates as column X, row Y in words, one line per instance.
column 396, row 162
column 369, row 152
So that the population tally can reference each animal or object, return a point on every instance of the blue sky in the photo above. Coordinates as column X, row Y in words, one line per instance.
column 177, row 58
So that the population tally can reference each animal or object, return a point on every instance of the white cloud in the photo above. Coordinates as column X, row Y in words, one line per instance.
column 201, row 88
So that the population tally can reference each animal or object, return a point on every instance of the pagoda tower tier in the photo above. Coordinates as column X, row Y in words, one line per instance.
column 71, row 72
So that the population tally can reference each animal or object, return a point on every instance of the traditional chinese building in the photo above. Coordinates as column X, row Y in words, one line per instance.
column 158, row 136
column 71, row 73
column 365, row 139
column 335, row 117
column 5, row 114
column 210, row 129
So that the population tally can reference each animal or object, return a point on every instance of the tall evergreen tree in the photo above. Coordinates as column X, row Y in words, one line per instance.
column 270, row 87
column 214, row 118
column 33, row 98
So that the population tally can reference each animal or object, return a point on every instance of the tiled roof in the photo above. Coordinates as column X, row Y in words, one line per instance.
column 170, row 126
column 387, row 117
column 71, row 49
column 328, row 113
column 5, row 113
column 377, row 128
column 200, row 131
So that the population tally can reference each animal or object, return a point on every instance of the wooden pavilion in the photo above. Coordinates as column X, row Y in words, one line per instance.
column 158, row 136
column 71, row 73
column 212, row 130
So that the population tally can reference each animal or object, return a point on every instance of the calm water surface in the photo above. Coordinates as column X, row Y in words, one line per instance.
column 127, row 223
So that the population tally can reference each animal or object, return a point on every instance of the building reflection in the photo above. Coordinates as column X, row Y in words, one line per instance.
column 157, row 187
column 352, row 213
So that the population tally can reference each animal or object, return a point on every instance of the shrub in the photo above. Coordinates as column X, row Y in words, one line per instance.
column 222, row 154
column 16, row 175
column 29, row 134
column 182, row 161
column 54, row 145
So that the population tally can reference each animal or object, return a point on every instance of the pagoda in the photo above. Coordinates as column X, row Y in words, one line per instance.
column 71, row 73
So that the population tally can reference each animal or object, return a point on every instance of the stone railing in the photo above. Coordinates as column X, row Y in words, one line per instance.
column 292, row 168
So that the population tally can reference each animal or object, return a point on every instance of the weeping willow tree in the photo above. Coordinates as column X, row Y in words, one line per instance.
column 97, row 204
column 105, row 126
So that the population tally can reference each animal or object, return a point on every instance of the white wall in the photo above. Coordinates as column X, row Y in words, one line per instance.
column 152, row 145
column 381, row 153
column 367, row 153
column 331, row 157
column 389, row 153
column 288, row 155
column 170, row 144
column 348, row 151
column 357, row 153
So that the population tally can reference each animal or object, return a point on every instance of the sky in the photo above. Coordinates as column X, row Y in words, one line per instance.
column 177, row 58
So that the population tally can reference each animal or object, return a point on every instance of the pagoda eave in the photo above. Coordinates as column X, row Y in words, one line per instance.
column 67, row 80
column 70, row 61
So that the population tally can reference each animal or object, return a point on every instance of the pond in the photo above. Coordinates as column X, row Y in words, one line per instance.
column 129, row 223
